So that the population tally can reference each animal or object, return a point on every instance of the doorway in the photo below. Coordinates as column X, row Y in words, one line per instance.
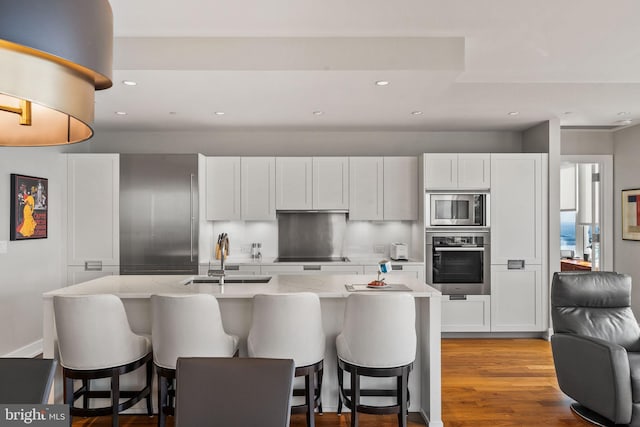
column 586, row 212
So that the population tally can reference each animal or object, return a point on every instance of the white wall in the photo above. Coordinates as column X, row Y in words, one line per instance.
column 586, row 142
column 29, row 268
column 302, row 143
column 626, row 175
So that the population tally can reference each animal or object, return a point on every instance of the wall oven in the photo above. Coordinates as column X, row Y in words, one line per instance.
column 458, row 262
column 457, row 209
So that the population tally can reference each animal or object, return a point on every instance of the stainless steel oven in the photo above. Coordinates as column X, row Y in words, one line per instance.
column 458, row 262
column 453, row 210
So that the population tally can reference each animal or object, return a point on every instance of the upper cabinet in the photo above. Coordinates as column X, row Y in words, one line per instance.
column 240, row 188
column 517, row 207
column 258, row 188
column 294, row 185
column 331, row 183
column 93, row 200
column 223, row 188
column 451, row 171
column 366, row 175
column 305, row 183
column 400, row 188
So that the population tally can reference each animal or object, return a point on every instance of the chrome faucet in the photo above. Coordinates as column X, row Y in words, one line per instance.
column 222, row 249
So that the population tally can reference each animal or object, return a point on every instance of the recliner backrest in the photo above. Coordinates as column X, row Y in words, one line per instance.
column 595, row 304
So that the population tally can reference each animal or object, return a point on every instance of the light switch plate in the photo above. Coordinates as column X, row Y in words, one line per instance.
column 3, row 246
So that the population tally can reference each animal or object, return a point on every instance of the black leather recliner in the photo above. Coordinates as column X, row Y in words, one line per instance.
column 596, row 345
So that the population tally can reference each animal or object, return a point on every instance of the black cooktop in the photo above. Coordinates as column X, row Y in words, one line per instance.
column 312, row 259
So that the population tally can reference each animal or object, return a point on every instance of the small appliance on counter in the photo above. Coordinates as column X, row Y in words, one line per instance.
column 399, row 251
column 256, row 251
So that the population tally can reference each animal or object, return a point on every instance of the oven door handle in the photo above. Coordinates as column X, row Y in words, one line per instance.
column 458, row 249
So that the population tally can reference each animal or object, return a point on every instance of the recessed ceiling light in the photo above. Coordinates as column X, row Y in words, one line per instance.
column 121, row 113
column 219, row 113
column 129, row 82
column 513, row 113
column 173, row 113
column 318, row 113
column 416, row 113
column 624, row 113
column 382, row 83
column 566, row 113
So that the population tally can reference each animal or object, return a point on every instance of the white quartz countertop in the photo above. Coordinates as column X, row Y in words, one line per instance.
column 325, row 285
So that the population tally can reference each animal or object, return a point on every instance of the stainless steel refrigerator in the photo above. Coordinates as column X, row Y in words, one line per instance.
column 158, row 214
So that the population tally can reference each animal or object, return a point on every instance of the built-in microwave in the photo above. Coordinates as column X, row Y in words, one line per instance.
column 460, row 209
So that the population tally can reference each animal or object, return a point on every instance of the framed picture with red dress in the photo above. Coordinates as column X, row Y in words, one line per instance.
column 29, row 207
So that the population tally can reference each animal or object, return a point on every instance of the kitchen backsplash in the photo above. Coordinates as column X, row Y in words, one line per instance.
column 362, row 238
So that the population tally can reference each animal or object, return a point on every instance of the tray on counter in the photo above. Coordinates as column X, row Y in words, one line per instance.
column 362, row 287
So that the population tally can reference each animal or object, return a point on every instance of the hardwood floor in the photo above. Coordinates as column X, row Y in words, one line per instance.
column 485, row 383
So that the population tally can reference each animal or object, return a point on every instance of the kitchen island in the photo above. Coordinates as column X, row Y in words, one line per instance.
column 236, row 305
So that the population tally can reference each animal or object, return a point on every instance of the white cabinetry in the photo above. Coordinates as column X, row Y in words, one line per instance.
column 331, row 183
column 398, row 270
column 517, row 299
column 400, row 188
column 258, row 188
column 223, row 188
column 517, row 253
column 310, row 269
column 471, row 313
column 516, row 208
column 304, row 183
column 452, row 171
column 93, row 227
column 294, row 186
column 240, row 188
column 80, row 274
column 366, row 192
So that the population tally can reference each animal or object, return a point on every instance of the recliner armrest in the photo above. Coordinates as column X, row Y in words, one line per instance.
column 595, row 373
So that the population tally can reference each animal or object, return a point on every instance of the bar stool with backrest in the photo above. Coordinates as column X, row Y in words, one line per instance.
column 184, row 326
column 95, row 341
column 378, row 340
column 289, row 326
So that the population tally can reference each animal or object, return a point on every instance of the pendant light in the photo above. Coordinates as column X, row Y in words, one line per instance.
column 53, row 56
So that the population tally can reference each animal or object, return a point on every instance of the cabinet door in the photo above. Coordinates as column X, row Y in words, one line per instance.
column 341, row 269
column 474, row 171
column 258, row 188
column 330, row 183
column 516, row 299
column 441, row 171
column 223, row 188
column 294, row 183
column 401, row 188
column 93, row 209
column 366, row 188
column 516, row 208
column 471, row 314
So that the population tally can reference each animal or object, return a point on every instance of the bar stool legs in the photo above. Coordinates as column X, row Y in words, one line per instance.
column 312, row 391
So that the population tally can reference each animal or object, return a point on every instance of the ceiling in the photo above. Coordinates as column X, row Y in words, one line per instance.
column 465, row 65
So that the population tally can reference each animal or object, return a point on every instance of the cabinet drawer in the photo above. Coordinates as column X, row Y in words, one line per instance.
column 471, row 314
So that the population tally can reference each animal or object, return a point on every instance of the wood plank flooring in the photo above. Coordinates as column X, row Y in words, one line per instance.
column 485, row 383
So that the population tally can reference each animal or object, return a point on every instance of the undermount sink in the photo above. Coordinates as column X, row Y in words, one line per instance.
column 231, row 279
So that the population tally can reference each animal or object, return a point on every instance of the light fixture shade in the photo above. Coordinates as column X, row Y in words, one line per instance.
column 54, row 54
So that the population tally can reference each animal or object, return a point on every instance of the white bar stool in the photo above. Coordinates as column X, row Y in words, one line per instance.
column 184, row 326
column 378, row 340
column 95, row 341
column 289, row 326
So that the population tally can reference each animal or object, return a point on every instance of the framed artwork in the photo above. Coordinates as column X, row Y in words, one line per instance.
column 631, row 214
column 29, row 207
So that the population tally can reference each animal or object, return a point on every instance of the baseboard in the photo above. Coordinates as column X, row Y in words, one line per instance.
column 29, row 350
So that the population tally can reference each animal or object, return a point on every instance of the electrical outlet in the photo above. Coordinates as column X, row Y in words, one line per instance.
column 378, row 249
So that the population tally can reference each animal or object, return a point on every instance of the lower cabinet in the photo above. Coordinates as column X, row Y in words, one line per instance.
column 466, row 313
column 398, row 270
column 78, row 274
column 311, row 269
column 517, row 299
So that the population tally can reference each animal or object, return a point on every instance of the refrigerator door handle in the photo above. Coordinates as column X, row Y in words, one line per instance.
column 191, row 214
